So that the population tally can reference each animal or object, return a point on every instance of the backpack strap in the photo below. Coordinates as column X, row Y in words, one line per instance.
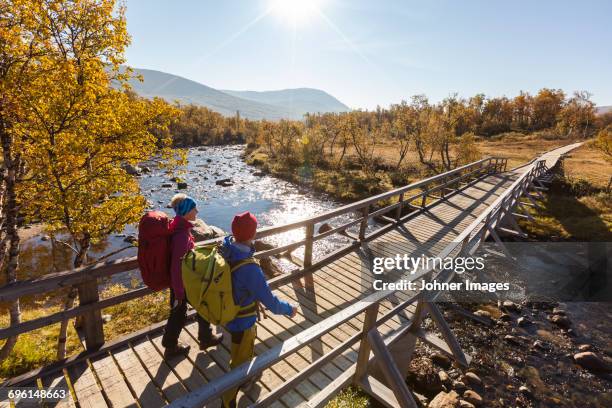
column 251, row 309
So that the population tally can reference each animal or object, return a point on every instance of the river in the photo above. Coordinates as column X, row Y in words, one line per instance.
column 273, row 201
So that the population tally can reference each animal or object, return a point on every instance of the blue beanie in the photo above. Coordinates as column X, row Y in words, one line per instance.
column 186, row 205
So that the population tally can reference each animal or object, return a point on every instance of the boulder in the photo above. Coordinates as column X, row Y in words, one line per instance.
column 202, row 231
column 131, row 169
column 561, row 321
column 592, row 362
column 443, row 376
column 523, row 322
column 181, row 185
column 482, row 313
column 511, row 306
column 445, row 400
column 472, row 379
column 224, row 182
column 130, row 239
column 473, row 398
column 441, row 359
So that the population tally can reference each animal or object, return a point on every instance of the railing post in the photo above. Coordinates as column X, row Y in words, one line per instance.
column 308, row 280
column 91, row 322
column 398, row 211
column 369, row 322
column 364, row 223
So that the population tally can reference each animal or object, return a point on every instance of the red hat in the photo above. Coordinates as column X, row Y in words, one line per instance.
column 244, row 226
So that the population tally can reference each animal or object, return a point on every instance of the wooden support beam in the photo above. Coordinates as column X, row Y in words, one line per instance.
column 450, row 339
column 369, row 322
column 395, row 380
column 499, row 242
column 308, row 279
column 91, row 321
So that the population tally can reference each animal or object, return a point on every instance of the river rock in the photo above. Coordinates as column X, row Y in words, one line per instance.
column 208, row 160
column 106, row 318
column 131, row 169
column 259, row 173
column 423, row 377
column 561, row 321
column 505, row 317
column 523, row 321
column 512, row 340
column 472, row 397
column 130, row 239
column 443, row 376
column 145, row 169
column 166, row 185
column 459, row 386
column 202, row 231
column 181, row 185
column 558, row 311
column 523, row 389
column 324, row 228
column 482, row 313
column 465, row 404
column 472, row 379
column 441, row 359
column 221, row 182
column 585, row 347
column 445, row 400
column 511, row 306
column 592, row 362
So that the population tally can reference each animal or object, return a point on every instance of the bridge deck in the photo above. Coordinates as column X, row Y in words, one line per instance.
column 137, row 374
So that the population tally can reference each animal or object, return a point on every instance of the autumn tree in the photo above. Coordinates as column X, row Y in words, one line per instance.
column 604, row 143
column 22, row 43
column 546, row 105
column 79, row 131
column 577, row 115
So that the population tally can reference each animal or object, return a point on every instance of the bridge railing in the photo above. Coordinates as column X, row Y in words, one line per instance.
column 467, row 241
column 416, row 197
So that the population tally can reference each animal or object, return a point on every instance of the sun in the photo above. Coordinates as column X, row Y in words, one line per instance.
column 295, row 12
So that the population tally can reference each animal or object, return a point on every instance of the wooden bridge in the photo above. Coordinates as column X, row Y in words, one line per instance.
column 345, row 332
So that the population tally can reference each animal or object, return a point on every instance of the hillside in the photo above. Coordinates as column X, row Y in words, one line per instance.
column 603, row 109
column 299, row 100
column 272, row 105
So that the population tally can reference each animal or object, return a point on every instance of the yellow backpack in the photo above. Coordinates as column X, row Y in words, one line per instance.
column 207, row 278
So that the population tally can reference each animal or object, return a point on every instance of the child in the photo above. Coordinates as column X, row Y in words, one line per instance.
column 249, row 285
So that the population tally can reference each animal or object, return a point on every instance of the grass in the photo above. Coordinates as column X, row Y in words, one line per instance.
column 350, row 397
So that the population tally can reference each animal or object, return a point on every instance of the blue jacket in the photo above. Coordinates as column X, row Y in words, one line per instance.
column 249, row 284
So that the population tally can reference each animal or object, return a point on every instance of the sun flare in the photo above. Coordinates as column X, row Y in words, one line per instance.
column 295, row 12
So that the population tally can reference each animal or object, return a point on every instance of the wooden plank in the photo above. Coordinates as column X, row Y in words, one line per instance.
column 158, row 370
column 146, row 391
column 181, row 366
column 59, row 382
column 113, row 383
column 87, row 391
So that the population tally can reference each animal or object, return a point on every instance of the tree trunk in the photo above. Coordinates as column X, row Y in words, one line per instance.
column 79, row 259
column 9, row 210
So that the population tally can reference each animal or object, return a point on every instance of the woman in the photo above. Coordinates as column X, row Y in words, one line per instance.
column 182, row 242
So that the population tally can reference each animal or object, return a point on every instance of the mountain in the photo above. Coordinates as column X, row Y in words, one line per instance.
column 271, row 105
column 600, row 110
column 300, row 100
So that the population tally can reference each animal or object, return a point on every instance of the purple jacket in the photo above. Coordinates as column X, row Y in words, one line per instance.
column 181, row 242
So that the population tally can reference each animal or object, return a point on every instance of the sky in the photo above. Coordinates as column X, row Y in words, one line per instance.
column 379, row 52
